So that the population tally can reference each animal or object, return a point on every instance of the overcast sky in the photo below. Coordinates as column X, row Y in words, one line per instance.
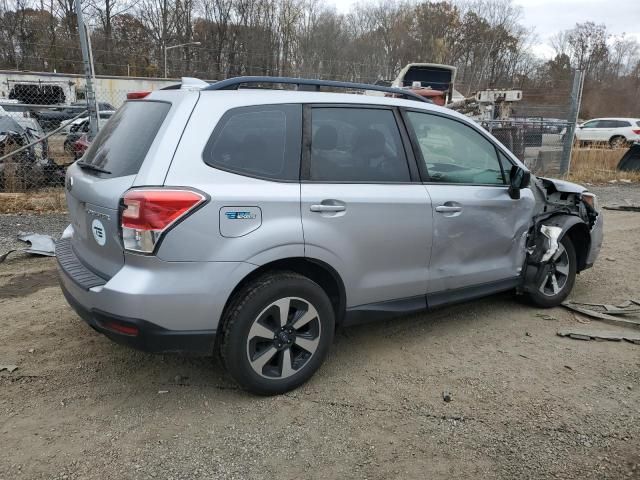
column 550, row 16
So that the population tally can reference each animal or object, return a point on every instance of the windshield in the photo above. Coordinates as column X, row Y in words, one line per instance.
column 122, row 144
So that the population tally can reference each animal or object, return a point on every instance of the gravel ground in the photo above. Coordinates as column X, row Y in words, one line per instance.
column 525, row 404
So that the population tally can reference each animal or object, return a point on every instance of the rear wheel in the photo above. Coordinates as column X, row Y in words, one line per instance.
column 618, row 142
column 557, row 282
column 277, row 332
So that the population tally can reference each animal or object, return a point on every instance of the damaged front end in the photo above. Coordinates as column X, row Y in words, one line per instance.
column 562, row 208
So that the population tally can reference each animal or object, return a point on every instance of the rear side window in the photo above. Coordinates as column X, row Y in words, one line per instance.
column 123, row 142
column 258, row 141
column 356, row 145
column 622, row 124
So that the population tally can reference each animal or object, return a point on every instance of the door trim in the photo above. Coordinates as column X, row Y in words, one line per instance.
column 373, row 312
column 458, row 295
column 379, row 311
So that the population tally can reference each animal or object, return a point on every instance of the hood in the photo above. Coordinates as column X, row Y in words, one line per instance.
column 562, row 185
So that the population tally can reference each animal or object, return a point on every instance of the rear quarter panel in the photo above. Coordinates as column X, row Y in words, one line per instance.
column 198, row 238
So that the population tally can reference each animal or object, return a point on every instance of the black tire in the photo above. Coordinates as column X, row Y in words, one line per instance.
column 253, row 306
column 548, row 300
column 618, row 142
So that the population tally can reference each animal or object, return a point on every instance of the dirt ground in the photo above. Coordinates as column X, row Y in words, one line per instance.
column 526, row 404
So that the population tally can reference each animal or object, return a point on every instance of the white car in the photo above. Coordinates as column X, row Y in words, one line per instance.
column 618, row 132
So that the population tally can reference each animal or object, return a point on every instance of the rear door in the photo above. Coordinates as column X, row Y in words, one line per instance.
column 98, row 180
column 479, row 231
column 364, row 210
column 590, row 131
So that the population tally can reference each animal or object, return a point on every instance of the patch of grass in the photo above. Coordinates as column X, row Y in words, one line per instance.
column 597, row 164
column 45, row 200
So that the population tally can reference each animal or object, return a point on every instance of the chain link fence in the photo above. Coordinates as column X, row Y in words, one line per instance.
column 537, row 142
column 43, row 131
column 40, row 136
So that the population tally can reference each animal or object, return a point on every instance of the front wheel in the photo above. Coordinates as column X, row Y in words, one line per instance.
column 277, row 332
column 558, row 280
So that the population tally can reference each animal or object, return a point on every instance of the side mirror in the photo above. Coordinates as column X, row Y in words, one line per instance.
column 519, row 179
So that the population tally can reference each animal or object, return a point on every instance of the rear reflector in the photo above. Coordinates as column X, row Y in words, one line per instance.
column 136, row 95
column 121, row 328
column 148, row 213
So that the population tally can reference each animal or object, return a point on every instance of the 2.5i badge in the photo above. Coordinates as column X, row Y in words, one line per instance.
column 99, row 232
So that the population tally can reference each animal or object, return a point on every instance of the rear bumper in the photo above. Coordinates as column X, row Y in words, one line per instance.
column 171, row 306
column 148, row 336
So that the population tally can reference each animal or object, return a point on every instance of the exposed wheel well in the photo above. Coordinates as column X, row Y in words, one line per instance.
column 579, row 235
column 320, row 272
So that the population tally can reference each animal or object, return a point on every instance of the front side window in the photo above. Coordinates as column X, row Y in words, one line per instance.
column 259, row 141
column 456, row 153
column 356, row 145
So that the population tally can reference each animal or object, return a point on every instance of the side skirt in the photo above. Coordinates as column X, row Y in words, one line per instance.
column 373, row 312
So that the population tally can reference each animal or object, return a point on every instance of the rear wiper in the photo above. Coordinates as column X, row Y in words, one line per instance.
column 89, row 166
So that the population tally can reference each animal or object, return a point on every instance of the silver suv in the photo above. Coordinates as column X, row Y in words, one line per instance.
column 252, row 222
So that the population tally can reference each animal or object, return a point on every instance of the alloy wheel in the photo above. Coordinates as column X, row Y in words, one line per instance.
column 283, row 338
column 558, row 274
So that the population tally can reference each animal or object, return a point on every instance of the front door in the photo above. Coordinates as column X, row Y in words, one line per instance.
column 363, row 209
column 479, row 231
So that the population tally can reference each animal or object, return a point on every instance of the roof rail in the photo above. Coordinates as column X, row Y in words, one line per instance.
column 234, row 84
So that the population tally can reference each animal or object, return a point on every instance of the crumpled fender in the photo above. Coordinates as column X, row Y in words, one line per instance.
column 536, row 268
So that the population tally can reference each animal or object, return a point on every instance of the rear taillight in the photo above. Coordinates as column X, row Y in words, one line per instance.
column 637, row 132
column 147, row 213
column 137, row 95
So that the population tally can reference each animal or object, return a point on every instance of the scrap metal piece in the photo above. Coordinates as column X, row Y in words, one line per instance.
column 4, row 256
column 8, row 368
column 39, row 244
column 601, row 335
column 623, row 208
column 552, row 233
column 599, row 315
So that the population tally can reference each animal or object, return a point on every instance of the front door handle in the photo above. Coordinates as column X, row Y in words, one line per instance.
column 448, row 209
column 327, row 208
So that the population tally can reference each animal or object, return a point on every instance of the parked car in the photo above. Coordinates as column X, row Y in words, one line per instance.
column 23, row 116
column 618, row 132
column 83, row 122
column 79, row 128
column 51, row 118
column 80, row 145
column 251, row 223
column 28, row 167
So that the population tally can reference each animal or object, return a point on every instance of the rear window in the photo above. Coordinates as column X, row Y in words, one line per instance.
column 123, row 142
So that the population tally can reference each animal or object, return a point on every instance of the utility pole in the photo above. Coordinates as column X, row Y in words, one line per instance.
column 88, row 71
column 574, row 110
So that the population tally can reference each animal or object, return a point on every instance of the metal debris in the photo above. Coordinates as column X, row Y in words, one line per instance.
column 608, row 312
column 39, row 244
column 4, row 256
column 446, row 396
column 623, row 208
column 8, row 368
column 601, row 335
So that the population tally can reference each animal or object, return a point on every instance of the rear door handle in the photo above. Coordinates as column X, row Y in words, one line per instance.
column 448, row 209
column 327, row 208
